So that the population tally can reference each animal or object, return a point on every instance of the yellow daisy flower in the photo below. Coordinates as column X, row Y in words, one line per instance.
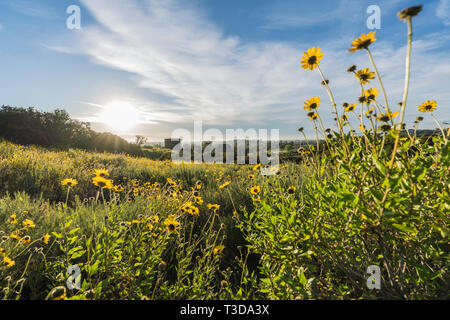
column 226, row 184
column 101, row 173
column 172, row 225
column 385, row 117
column 311, row 58
column 291, row 190
column 8, row 262
column 218, row 250
column 14, row 236
column 370, row 95
column 198, row 200
column 153, row 219
column 428, row 106
column 255, row 190
column 102, row 182
column 118, row 188
column 313, row 116
column 13, row 218
column 213, row 206
column 27, row 223
column 46, row 238
column 312, row 104
column 26, row 239
column 365, row 75
column 370, row 111
column 69, row 182
column 257, row 167
column 194, row 211
column 350, row 107
column 363, row 41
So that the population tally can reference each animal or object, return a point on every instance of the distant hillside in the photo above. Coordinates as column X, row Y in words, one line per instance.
column 28, row 126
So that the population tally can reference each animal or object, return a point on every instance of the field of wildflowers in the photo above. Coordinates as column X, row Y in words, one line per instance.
column 143, row 229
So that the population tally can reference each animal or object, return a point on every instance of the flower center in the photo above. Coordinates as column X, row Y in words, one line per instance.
column 312, row 60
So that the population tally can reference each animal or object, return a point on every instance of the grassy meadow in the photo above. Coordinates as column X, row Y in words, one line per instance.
column 152, row 229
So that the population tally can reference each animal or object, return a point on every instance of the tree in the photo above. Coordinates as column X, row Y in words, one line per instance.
column 57, row 129
column 141, row 140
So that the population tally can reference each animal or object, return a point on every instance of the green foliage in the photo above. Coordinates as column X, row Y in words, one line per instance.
column 319, row 243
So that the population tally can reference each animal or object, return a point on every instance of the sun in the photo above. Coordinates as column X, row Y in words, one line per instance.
column 120, row 115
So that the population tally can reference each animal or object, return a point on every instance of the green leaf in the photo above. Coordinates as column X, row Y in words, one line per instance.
column 404, row 228
column 57, row 235
column 73, row 231
column 380, row 166
column 77, row 254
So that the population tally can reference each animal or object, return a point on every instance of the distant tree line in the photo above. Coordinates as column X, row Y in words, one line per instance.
column 28, row 126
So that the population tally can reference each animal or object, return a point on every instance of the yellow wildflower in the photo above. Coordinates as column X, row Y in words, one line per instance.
column 69, row 182
column 311, row 58
column 101, row 173
column 365, row 75
column 312, row 104
column 255, row 190
column 27, row 223
column 13, row 218
column 8, row 262
column 46, row 238
column 428, row 106
column 363, row 42
column 226, row 184
column 218, row 250
column 102, row 182
column 172, row 224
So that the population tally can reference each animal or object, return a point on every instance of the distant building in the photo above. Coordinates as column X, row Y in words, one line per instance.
column 171, row 143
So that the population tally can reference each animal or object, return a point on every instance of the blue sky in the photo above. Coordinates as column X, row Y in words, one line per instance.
column 230, row 63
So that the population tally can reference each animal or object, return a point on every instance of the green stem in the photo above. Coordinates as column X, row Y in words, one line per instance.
column 67, row 195
column 405, row 92
column 379, row 79
column 440, row 128
column 333, row 102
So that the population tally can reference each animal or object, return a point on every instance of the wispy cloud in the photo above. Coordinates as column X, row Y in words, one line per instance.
column 443, row 11
column 177, row 52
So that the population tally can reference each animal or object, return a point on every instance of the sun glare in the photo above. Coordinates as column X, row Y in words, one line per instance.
column 120, row 115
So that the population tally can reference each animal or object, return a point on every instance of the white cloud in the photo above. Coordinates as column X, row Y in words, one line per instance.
column 443, row 11
column 176, row 51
